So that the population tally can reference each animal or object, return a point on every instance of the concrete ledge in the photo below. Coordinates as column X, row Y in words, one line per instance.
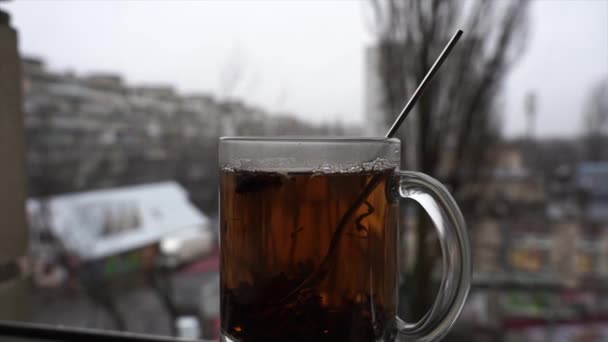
column 14, row 300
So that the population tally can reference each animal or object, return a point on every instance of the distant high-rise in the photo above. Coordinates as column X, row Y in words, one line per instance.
column 374, row 108
column 530, row 107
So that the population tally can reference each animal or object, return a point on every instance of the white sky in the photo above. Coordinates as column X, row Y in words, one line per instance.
column 305, row 57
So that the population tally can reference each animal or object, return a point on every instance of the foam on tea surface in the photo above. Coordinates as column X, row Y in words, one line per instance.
column 286, row 165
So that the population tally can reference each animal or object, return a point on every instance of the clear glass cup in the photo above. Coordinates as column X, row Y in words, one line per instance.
column 309, row 241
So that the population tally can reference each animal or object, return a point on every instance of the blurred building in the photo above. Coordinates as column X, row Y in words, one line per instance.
column 508, row 217
column 527, row 220
column 95, row 131
column 592, row 182
column 540, row 237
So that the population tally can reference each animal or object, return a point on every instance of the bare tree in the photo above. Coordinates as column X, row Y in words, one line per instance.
column 596, row 122
column 237, row 75
column 455, row 125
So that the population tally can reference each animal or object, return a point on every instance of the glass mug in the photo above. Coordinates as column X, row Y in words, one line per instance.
column 309, row 241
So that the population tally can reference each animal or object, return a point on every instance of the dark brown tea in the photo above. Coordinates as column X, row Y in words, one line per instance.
column 281, row 280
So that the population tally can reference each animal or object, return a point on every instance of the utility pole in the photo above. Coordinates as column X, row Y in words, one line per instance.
column 530, row 107
column 13, row 228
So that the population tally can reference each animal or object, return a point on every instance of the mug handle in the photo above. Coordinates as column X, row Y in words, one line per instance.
column 456, row 256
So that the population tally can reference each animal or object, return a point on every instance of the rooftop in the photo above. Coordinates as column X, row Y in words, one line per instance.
column 97, row 224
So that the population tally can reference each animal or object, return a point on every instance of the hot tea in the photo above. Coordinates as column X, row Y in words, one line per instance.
column 285, row 276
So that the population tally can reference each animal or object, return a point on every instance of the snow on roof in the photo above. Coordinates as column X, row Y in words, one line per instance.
column 100, row 223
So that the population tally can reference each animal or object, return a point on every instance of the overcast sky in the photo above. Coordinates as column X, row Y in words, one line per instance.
column 305, row 57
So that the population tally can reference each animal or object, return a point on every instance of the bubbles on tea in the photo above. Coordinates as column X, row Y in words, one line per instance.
column 285, row 166
column 326, row 168
column 377, row 164
column 261, row 164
